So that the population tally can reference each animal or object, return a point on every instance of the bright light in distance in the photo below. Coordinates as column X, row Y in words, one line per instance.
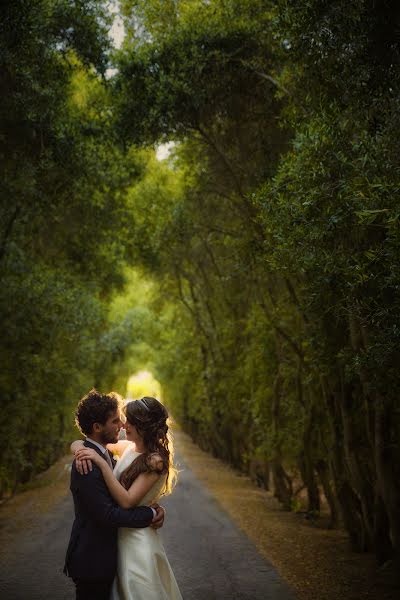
column 110, row 72
column 164, row 150
column 142, row 384
column 117, row 31
column 141, row 376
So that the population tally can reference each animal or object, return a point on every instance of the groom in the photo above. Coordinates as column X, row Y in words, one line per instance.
column 91, row 558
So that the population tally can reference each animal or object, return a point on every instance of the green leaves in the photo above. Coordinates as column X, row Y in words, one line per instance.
column 64, row 224
column 367, row 217
column 278, row 250
column 270, row 237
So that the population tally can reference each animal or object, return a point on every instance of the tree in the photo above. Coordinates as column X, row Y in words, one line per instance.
column 295, row 246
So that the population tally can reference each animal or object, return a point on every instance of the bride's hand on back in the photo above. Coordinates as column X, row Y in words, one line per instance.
column 158, row 519
column 84, row 457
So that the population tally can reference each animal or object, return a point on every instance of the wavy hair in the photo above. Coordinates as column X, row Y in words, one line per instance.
column 95, row 407
column 150, row 417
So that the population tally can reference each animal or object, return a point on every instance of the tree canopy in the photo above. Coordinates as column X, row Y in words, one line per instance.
column 255, row 270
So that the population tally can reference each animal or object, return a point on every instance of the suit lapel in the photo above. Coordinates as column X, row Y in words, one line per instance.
column 99, row 452
column 102, row 454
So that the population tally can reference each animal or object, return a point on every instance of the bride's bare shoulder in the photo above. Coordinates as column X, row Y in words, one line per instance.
column 120, row 447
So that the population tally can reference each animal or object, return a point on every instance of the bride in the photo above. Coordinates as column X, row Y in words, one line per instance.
column 142, row 475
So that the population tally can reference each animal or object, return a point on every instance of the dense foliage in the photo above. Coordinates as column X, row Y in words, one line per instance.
column 269, row 239
column 64, row 225
column 278, row 255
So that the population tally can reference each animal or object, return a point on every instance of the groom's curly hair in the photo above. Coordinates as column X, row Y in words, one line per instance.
column 95, row 407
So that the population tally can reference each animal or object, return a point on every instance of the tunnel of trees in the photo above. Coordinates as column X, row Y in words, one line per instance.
column 255, row 271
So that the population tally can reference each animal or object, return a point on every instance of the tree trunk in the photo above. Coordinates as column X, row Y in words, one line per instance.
column 283, row 489
column 308, row 477
column 260, row 471
column 352, row 518
column 382, row 542
column 306, row 460
column 350, row 507
column 362, row 480
column 387, row 478
column 324, row 474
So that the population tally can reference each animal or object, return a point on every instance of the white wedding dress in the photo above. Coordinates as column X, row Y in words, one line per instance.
column 143, row 571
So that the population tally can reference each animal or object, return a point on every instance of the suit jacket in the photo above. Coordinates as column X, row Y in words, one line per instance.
column 92, row 548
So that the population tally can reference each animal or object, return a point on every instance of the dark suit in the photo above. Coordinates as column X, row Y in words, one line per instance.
column 92, row 549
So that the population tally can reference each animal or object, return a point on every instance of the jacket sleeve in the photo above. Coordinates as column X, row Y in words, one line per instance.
column 93, row 493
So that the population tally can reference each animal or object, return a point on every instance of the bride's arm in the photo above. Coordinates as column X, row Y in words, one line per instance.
column 132, row 497
column 83, row 466
column 117, row 448
column 124, row 498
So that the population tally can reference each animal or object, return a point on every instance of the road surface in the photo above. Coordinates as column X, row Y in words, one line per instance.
column 212, row 559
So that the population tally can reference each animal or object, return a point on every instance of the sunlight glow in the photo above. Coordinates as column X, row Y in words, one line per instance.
column 164, row 150
column 117, row 31
column 142, row 384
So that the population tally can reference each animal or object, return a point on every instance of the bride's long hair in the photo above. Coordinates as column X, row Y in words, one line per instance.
column 150, row 417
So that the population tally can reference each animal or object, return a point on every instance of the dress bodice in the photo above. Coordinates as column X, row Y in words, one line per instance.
column 129, row 455
column 144, row 572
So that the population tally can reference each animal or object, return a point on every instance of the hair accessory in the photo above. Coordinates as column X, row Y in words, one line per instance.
column 143, row 403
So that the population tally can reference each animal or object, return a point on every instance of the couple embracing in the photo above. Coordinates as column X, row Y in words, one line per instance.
column 115, row 552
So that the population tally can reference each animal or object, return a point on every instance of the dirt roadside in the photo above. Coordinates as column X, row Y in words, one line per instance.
column 21, row 511
column 317, row 563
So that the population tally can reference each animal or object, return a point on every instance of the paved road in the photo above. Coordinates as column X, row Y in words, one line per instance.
column 211, row 558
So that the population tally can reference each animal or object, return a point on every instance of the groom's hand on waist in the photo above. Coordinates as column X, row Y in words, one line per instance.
column 158, row 519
